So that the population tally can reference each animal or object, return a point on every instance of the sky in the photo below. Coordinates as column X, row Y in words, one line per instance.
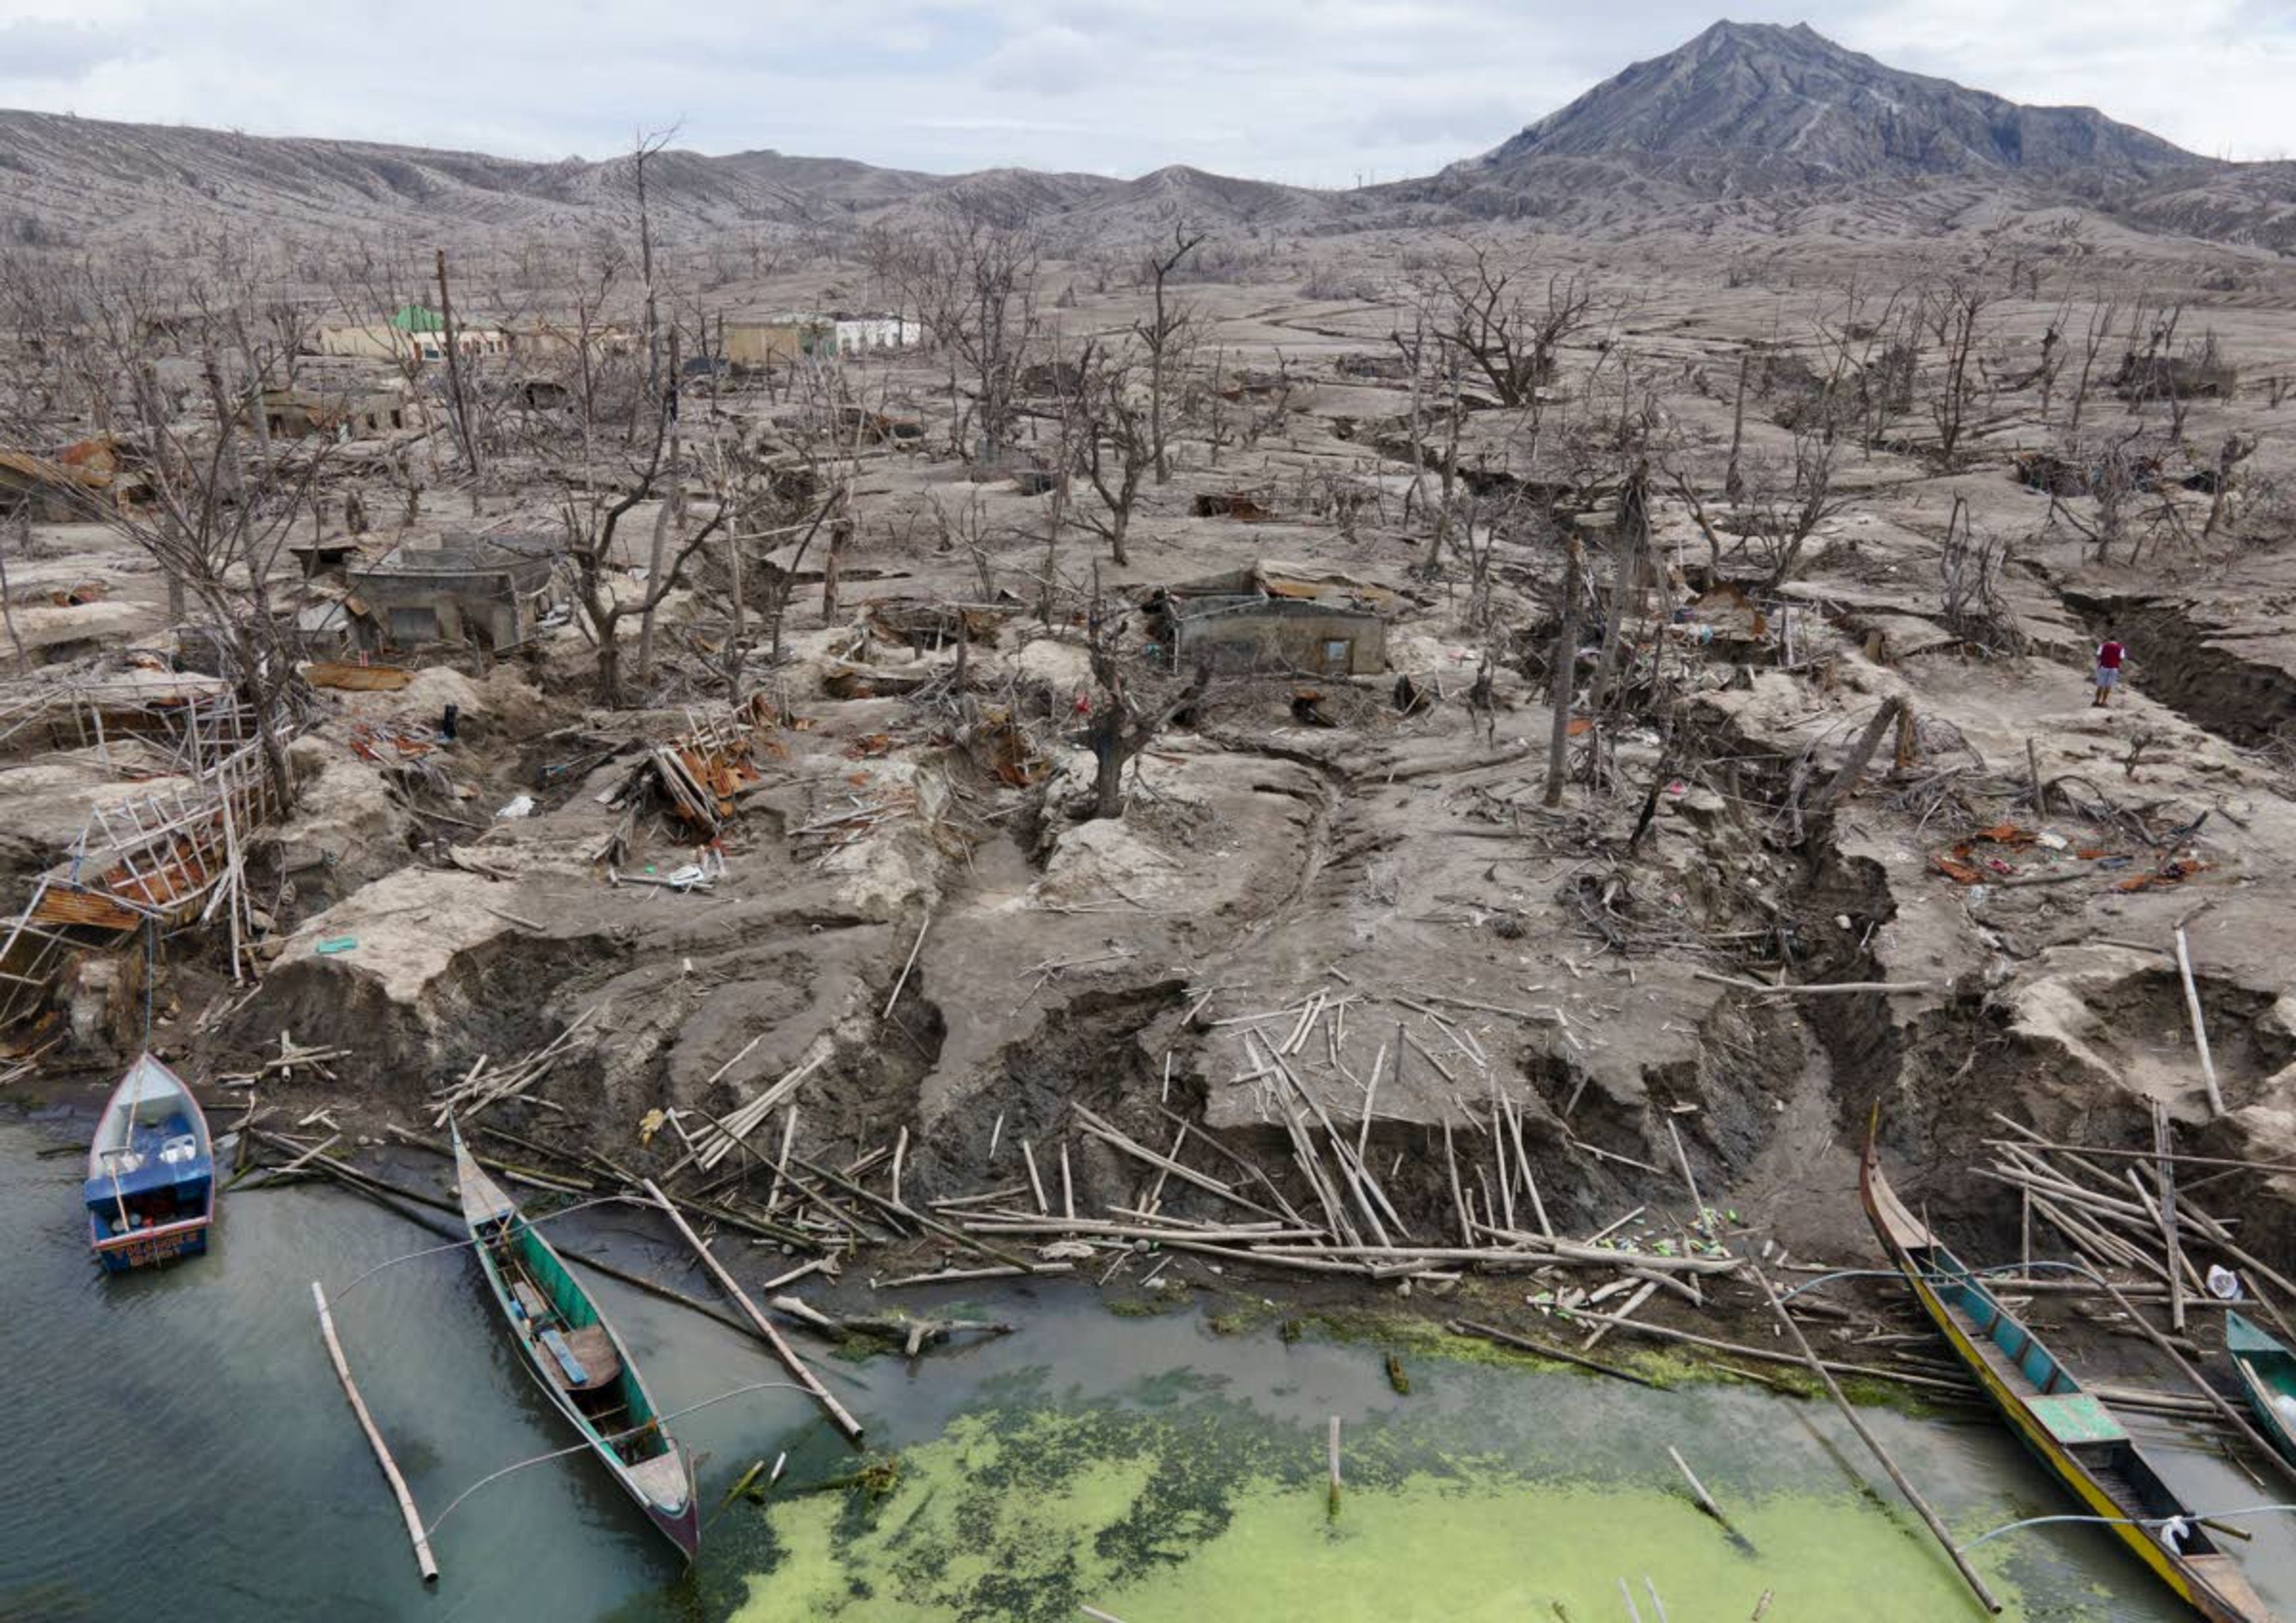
column 1309, row 92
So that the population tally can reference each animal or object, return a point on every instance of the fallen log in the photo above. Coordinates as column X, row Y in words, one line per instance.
column 913, row 1333
column 782, row 1350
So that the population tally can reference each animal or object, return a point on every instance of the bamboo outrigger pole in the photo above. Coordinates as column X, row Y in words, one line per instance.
column 414, row 1529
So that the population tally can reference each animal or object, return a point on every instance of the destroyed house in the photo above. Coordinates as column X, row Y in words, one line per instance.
column 492, row 590
column 293, row 414
column 1268, row 617
column 55, row 491
column 761, row 341
column 411, row 332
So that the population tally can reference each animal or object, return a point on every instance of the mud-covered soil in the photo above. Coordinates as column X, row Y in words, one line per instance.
column 1375, row 894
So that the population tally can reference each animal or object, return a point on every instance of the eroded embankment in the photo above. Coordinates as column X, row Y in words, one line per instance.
column 2197, row 660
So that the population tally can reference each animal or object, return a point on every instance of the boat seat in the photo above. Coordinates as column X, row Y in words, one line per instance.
column 581, row 1360
column 2077, row 1417
column 530, row 1301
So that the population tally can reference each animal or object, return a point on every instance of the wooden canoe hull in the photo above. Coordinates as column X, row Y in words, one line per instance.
column 662, row 1486
column 2267, row 1371
column 2211, row 1584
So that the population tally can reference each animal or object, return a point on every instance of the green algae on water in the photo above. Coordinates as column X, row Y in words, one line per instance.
column 1206, row 1509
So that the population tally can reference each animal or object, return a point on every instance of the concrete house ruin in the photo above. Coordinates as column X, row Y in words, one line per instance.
column 294, row 414
column 772, row 339
column 493, row 590
column 411, row 332
column 1272, row 617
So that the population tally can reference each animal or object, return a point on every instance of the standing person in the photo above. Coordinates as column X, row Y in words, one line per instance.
column 1483, row 706
column 2109, row 653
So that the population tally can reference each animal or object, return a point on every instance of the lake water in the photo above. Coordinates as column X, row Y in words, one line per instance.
column 185, row 1452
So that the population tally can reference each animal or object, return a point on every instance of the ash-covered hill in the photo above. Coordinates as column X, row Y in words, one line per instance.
column 1750, row 105
column 1748, row 126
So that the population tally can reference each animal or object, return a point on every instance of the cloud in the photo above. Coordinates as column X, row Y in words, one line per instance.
column 37, row 49
column 1312, row 91
column 1047, row 62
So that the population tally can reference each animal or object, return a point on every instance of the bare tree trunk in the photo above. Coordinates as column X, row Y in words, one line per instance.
column 1734, row 482
column 1634, row 527
column 1109, row 758
column 1120, row 520
column 839, row 532
column 1156, row 399
column 733, row 639
column 454, row 370
column 1860, row 754
column 1563, row 675
column 7, row 603
column 671, row 513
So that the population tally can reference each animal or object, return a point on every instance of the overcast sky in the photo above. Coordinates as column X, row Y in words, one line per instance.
column 1313, row 92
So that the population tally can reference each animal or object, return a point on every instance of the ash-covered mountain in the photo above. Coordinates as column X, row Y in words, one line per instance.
column 1747, row 122
column 1770, row 106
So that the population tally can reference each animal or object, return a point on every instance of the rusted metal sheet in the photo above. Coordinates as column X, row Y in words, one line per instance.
column 358, row 678
column 59, row 905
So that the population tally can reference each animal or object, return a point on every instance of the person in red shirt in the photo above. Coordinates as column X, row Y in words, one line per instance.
column 2109, row 653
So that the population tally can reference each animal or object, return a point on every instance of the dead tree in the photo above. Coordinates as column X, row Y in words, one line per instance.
column 2235, row 450
column 1734, row 480
column 1787, row 502
column 1124, row 720
column 1109, row 439
column 1479, row 311
column 1631, row 542
column 590, row 517
column 973, row 285
column 669, row 515
column 2094, row 339
column 2111, row 475
column 1955, row 315
column 591, row 509
column 1163, row 335
column 456, row 394
column 1860, row 754
column 1969, row 568
column 1562, row 678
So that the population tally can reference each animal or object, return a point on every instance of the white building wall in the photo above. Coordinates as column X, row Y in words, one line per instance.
column 861, row 333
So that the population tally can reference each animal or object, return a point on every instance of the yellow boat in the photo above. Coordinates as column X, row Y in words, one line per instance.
column 2069, row 1429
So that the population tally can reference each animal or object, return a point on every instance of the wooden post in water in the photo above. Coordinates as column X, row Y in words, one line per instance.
column 1912, row 1496
column 772, row 1337
column 1332, row 1450
column 1697, row 1488
column 2199, row 1027
column 414, row 1529
column 2165, row 1174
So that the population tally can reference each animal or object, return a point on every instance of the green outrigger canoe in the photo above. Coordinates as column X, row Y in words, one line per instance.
column 574, row 1355
column 2267, row 1374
